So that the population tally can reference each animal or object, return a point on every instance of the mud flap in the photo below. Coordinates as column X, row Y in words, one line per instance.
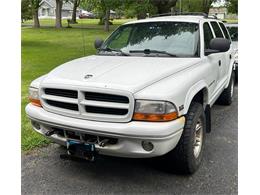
column 208, row 118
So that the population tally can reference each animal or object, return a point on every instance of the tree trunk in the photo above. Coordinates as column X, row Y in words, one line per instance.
column 74, row 11
column 107, row 16
column 206, row 5
column 36, row 23
column 58, row 13
column 164, row 6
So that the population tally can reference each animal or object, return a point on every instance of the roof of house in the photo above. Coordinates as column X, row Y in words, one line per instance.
column 52, row 3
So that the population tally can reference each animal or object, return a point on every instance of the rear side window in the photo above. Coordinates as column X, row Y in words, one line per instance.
column 233, row 31
column 207, row 35
column 216, row 29
column 224, row 30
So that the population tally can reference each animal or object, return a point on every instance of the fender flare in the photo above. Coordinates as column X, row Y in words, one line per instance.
column 192, row 92
column 232, row 67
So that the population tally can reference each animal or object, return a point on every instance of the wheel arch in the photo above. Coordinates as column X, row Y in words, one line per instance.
column 232, row 67
column 198, row 93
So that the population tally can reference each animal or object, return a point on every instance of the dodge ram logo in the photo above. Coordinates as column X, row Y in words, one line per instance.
column 88, row 76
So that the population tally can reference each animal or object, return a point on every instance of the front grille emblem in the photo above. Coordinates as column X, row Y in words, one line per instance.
column 88, row 76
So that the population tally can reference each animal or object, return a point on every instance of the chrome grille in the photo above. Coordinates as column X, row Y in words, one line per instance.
column 105, row 105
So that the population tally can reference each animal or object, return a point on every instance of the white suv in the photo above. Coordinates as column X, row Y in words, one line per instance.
column 146, row 93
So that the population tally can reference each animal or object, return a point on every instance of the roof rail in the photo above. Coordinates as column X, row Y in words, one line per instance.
column 181, row 14
column 213, row 16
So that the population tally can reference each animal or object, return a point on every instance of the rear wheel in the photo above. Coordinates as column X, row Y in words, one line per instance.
column 236, row 75
column 226, row 97
column 187, row 155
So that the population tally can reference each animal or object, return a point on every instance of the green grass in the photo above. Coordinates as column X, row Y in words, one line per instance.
column 44, row 49
column 231, row 20
column 85, row 23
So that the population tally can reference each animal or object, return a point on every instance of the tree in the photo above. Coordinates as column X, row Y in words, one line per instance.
column 206, row 5
column 103, row 7
column 139, row 8
column 194, row 5
column 76, row 4
column 26, row 10
column 35, row 4
column 58, row 11
column 232, row 6
column 163, row 6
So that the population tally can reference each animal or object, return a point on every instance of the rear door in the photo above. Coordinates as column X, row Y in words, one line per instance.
column 230, row 54
column 222, row 58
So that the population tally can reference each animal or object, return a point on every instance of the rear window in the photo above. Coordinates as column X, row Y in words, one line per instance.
column 216, row 29
column 224, row 30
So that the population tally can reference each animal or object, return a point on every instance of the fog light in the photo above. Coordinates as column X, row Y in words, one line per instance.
column 148, row 146
column 36, row 125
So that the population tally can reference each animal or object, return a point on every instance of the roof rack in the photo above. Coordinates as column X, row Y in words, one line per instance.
column 181, row 14
column 213, row 16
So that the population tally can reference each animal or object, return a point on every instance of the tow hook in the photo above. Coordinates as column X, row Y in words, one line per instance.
column 49, row 133
column 103, row 142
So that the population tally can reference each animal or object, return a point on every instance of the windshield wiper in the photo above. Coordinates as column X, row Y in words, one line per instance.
column 149, row 51
column 115, row 50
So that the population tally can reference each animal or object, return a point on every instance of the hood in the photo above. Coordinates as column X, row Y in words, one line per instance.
column 127, row 73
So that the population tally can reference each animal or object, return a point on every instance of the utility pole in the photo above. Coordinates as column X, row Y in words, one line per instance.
column 180, row 7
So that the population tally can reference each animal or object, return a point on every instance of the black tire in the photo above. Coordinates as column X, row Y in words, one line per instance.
column 183, row 155
column 236, row 73
column 226, row 97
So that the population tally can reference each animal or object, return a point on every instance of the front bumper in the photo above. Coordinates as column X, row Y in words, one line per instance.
column 163, row 135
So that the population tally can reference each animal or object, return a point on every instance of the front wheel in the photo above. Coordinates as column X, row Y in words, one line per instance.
column 187, row 155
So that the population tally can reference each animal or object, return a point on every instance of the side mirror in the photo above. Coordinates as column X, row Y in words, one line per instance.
column 98, row 43
column 218, row 45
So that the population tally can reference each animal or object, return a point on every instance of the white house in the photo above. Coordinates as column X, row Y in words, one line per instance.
column 219, row 12
column 47, row 9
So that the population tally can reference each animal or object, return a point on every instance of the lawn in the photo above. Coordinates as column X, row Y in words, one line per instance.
column 85, row 23
column 45, row 48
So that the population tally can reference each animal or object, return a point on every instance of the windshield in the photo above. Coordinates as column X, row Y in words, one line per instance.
column 233, row 31
column 172, row 39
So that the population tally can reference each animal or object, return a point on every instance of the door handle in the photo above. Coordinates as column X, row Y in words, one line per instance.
column 219, row 63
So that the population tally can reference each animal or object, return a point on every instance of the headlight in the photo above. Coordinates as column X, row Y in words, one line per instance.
column 34, row 96
column 146, row 110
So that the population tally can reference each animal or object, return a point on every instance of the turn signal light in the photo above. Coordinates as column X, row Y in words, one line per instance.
column 35, row 102
column 155, row 117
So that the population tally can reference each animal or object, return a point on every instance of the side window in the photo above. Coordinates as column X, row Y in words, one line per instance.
column 207, row 35
column 233, row 31
column 216, row 29
column 224, row 30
